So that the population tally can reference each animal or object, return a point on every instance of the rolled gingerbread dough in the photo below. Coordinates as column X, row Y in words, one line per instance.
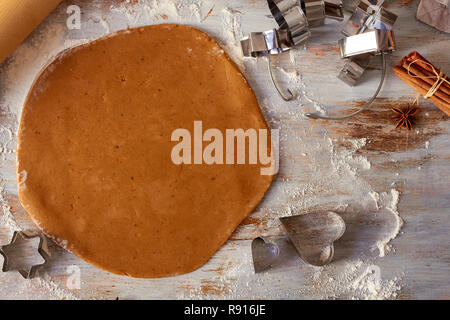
column 94, row 151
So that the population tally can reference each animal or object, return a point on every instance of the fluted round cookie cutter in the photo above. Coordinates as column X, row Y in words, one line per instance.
column 368, row 32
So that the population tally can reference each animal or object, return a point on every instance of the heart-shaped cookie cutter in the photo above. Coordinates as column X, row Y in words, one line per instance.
column 314, row 234
column 310, row 236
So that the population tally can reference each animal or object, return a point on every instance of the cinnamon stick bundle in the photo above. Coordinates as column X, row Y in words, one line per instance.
column 420, row 74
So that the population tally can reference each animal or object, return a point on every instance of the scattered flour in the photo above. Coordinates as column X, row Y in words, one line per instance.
column 6, row 218
column 370, row 284
column 330, row 176
column 295, row 79
column 232, row 34
column 392, row 201
column 53, row 289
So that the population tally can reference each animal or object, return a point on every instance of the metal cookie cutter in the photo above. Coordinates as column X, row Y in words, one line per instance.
column 259, row 44
column 357, row 43
column 357, row 22
column 374, row 42
column 369, row 14
column 354, row 69
column 42, row 249
column 310, row 236
column 317, row 10
column 293, row 31
column 290, row 16
column 369, row 32
column 293, row 18
column 334, row 10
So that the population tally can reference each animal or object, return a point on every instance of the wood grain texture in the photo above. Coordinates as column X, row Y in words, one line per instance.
column 413, row 162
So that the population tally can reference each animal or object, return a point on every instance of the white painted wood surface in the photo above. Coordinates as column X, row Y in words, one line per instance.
column 353, row 167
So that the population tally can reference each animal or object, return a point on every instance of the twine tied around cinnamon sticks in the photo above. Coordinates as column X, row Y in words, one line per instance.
column 440, row 78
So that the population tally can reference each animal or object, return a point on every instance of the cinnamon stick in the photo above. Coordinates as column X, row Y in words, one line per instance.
column 422, row 77
column 427, row 76
column 403, row 75
column 421, row 62
column 427, row 82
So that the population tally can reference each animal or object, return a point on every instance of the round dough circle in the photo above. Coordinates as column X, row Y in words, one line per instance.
column 94, row 151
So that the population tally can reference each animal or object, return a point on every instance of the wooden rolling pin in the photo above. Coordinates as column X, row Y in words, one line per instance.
column 18, row 18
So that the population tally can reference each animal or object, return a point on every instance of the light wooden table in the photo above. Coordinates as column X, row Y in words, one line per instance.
column 354, row 167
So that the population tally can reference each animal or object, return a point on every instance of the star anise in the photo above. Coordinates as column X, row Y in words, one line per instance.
column 405, row 116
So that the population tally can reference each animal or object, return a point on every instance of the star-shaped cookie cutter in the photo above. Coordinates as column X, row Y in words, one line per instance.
column 42, row 249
